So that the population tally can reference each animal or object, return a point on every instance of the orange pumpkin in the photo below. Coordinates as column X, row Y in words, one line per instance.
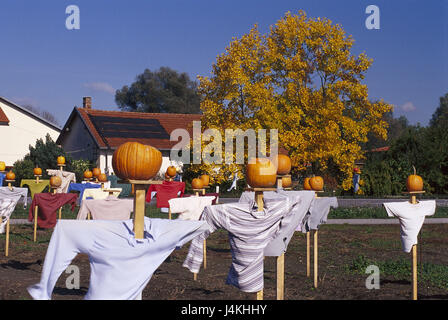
column 102, row 177
column 88, row 174
column 306, row 184
column 136, row 161
column 205, row 179
column 317, row 183
column 96, row 172
column 61, row 160
column 37, row 171
column 286, row 182
column 55, row 181
column 171, row 171
column 283, row 163
column 196, row 183
column 414, row 182
column 261, row 173
column 2, row 166
column 10, row 175
column 167, row 176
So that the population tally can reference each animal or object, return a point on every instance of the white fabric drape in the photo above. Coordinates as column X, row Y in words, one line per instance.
column 66, row 176
column 190, row 208
column 121, row 266
column 411, row 217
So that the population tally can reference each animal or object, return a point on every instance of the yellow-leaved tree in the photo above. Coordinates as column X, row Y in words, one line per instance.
column 301, row 79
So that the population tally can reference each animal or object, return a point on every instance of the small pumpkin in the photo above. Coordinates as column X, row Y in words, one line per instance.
column 317, row 183
column 88, row 174
column 171, row 171
column 205, row 179
column 96, row 172
column 37, row 171
column 102, row 177
column 55, row 182
column 414, row 182
column 196, row 183
column 2, row 166
column 61, row 160
column 286, row 182
column 261, row 173
column 283, row 163
column 306, row 184
column 136, row 161
column 167, row 176
column 10, row 175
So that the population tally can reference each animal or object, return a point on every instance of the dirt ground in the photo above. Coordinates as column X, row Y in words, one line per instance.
column 340, row 246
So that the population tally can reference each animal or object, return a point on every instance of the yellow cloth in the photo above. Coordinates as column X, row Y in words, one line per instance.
column 34, row 186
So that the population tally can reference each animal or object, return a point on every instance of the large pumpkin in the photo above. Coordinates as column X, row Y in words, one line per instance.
column 10, row 175
column 414, row 182
column 261, row 173
column 286, row 182
column 306, row 184
column 88, row 174
column 96, row 172
column 197, row 183
column 136, row 161
column 283, row 163
column 55, row 181
column 102, row 177
column 171, row 171
column 317, row 183
column 205, row 179
column 37, row 171
column 61, row 160
column 2, row 166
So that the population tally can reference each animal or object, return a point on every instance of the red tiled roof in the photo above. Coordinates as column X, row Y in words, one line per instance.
column 3, row 118
column 169, row 122
column 380, row 149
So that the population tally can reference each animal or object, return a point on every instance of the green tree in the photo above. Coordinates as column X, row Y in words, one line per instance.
column 162, row 91
column 440, row 116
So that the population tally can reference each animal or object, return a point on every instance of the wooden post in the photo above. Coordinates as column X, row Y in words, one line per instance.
column 414, row 272
column 7, row 238
column 308, row 255
column 88, row 215
column 60, row 213
column 169, row 213
column 260, row 205
column 281, row 277
column 36, row 209
column 315, row 259
column 139, row 210
column 204, row 249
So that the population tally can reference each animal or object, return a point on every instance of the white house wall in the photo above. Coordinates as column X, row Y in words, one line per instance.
column 23, row 130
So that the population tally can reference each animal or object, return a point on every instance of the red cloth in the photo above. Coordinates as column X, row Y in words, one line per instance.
column 166, row 191
column 216, row 195
column 48, row 204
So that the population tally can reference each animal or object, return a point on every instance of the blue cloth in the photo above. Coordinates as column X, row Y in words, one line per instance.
column 356, row 179
column 81, row 187
column 2, row 177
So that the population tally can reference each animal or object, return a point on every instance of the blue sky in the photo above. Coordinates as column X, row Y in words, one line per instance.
column 44, row 64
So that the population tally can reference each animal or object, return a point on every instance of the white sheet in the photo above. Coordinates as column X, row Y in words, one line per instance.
column 121, row 266
column 411, row 217
column 190, row 208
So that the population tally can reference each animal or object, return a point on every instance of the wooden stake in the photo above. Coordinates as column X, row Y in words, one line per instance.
column 260, row 295
column 414, row 272
column 36, row 209
column 204, row 250
column 308, row 255
column 281, row 277
column 195, row 276
column 60, row 213
column 139, row 210
column 7, row 239
column 169, row 213
column 88, row 215
column 315, row 259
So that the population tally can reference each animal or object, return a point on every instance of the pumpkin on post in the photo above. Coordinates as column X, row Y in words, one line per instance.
column 88, row 175
column 306, row 184
column 171, row 171
column 414, row 184
column 137, row 163
column 317, row 183
column 261, row 173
